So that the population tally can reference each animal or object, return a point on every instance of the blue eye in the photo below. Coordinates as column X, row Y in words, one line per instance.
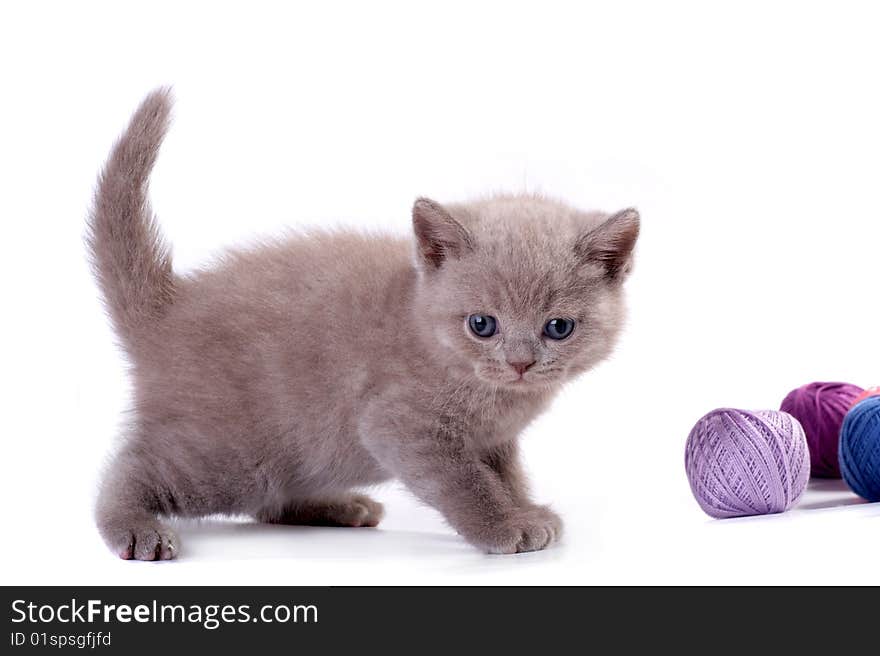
column 482, row 325
column 558, row 328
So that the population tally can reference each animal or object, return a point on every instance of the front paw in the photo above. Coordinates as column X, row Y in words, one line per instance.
column 527, row 529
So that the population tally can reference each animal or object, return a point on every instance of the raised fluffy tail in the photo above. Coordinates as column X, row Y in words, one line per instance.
column 129, row 256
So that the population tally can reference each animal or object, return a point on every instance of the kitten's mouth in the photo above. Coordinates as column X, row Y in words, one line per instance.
column 531, row 381
column 520, row 382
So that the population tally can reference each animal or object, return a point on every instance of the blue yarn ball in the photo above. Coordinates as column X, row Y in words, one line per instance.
column 860, row 449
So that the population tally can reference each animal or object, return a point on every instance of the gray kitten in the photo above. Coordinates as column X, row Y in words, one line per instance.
column 277, row 381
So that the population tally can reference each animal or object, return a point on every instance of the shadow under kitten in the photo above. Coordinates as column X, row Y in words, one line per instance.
column 290, row 373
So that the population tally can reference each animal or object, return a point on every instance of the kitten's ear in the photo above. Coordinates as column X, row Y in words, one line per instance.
column 438, row 235
column 610, row 245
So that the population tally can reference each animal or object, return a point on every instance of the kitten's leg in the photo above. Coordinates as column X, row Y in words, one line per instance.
column 437, row 466
column 126, row 514
column 505, row 461
column 347, row 510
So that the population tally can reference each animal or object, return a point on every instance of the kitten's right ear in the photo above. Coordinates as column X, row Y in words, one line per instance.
column 438, row 235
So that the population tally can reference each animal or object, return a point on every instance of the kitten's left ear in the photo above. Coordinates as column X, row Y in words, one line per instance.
column 610, row 245
column 438, row 235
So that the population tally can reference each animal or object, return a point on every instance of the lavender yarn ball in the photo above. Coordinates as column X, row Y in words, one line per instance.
column 747, row 463
column 821, row 407
column 860, row 449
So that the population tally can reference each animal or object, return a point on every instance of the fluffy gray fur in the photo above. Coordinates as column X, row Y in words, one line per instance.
column 287, row 375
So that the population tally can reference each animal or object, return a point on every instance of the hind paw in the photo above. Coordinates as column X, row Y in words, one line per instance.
column 355, row 510
column 145, row 542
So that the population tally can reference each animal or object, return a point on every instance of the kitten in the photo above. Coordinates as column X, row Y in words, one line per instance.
column 278, row 381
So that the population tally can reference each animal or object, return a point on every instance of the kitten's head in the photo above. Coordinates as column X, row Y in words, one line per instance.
column 520, row 291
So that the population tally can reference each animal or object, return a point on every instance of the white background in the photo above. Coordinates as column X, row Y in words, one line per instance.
column 746, row 134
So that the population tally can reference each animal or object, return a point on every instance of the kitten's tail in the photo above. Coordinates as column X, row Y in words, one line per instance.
column 131, row 260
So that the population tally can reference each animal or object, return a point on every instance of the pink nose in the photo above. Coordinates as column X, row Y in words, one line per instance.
column 520, row 367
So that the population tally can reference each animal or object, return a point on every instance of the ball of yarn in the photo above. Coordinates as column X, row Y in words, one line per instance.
column 747, row 463
column 821, row 407
column 860, row 449
column 871, row 391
